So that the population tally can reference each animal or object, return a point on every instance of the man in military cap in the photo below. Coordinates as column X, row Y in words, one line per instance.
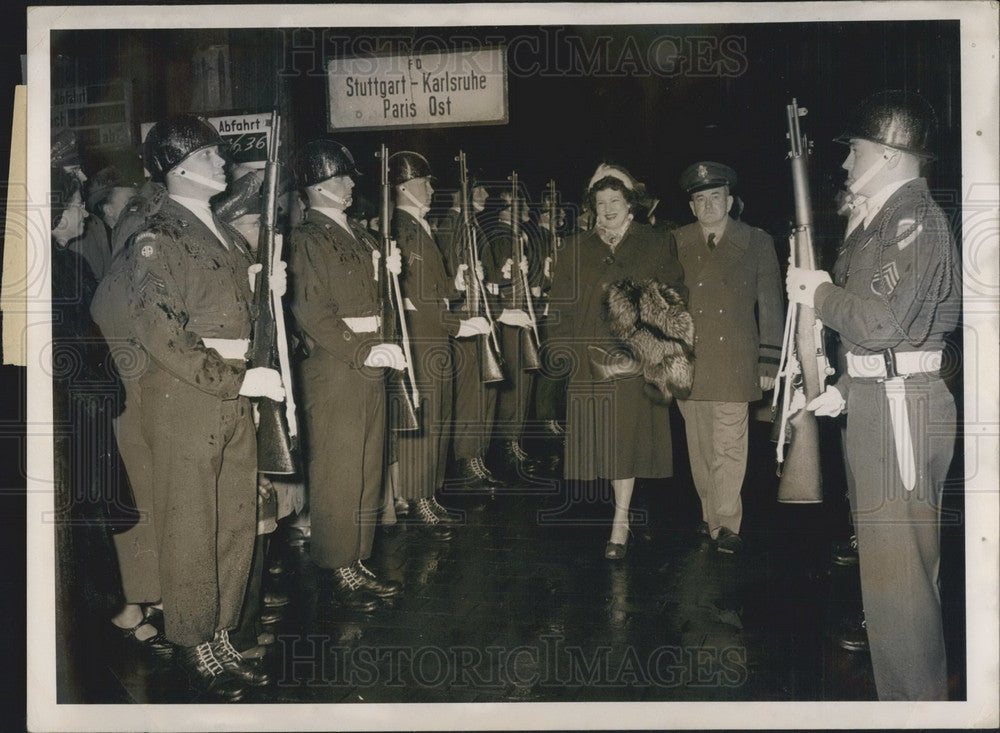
column 506, row 282
column 191, row 277
column 428, row 292
column 893, row 299
column 337, row 267
column 475, row 400
column 732, row 273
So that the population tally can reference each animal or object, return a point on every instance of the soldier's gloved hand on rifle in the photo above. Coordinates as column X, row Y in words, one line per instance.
column 461, row 278
column 394, row 262
column 386, row 355
column 263, row 382
column 801, row 285
column 829, row 404
column 513, row 317
column 472, row 327
column 508, row 268
column 547, row 268
column 278, row 279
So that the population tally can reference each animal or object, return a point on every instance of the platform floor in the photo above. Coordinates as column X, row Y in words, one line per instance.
column 522, row 606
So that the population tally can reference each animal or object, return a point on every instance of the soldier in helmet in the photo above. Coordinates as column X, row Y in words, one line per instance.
column 508, row 284
column 893, row 299
column 428, row 292
column 336, row 305
column 190, row 279
column 475, row 400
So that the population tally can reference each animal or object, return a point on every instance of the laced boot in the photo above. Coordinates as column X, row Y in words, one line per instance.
column 351, row 590
column 374, row 585
column 233, row 662
column 517, row 462
column 476, row 475
column 206, row 673
column 422, row 512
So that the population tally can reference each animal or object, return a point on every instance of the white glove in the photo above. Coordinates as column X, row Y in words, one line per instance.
column 480, row 272
column 829, row 404
column 801, row 284
column 472, row 327
column 460, row 278
column 547, row 268
column 536, row 291
column 507, row 268
column 263, row 382
column 278, row 279
column 515, row 318
column 524, row 265
column 766, row 383
column 394, row 262
column 386, row 355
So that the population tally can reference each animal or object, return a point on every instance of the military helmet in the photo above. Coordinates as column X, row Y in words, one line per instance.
column 406, row 165
column 171, row 141
column 321, row 160
column 897, row 119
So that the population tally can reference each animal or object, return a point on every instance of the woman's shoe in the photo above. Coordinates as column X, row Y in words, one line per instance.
column 157, row 644
column 615, row 551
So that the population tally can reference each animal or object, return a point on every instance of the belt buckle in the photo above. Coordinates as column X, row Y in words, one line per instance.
column 889, row 356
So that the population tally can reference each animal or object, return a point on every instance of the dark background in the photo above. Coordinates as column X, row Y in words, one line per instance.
column 561, row 125
column 580, row 95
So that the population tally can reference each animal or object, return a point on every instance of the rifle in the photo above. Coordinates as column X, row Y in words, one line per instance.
column 553, row 222
column 802, row 358
column 521, row 296
column 476, row 300
column 274, row 442
column 402, row 409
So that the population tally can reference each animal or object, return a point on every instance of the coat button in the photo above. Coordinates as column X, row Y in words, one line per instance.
column 722, row 338
column 699, row 285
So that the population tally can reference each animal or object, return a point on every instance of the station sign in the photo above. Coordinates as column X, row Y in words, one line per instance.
column 446, row 89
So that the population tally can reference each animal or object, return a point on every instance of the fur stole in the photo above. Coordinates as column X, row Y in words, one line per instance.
column 651, row 321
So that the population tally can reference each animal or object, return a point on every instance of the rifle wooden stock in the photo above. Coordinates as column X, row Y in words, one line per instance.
column 401, row 405
column 801, row 479
column 274, row 444
column 476, row 303
column 521, row 295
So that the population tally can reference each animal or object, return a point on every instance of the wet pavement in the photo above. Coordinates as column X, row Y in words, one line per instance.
column 522, row 606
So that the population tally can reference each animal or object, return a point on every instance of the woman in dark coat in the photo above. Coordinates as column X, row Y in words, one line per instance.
column 614, row 431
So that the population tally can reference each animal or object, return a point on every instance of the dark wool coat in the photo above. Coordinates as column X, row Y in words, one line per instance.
column 343, row 400
column 428, row 290
column 738, row 311
column 613, row 429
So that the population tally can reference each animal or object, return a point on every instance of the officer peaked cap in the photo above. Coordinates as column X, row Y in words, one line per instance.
column 705, row 174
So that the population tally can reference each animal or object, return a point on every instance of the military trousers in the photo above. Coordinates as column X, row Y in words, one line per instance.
column 423, row 453
column 717, row 443
column 898, row 532
column 136, row 548
column 514, row 393
column 475, row 403
column 204, row 479
column 345, row 409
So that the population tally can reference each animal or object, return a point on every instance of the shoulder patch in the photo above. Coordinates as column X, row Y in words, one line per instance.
column 904, row 226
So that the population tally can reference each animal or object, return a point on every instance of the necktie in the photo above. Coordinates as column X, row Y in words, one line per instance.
column 711, row 241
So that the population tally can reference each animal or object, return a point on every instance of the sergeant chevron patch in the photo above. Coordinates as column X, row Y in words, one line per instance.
column 885, row 281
